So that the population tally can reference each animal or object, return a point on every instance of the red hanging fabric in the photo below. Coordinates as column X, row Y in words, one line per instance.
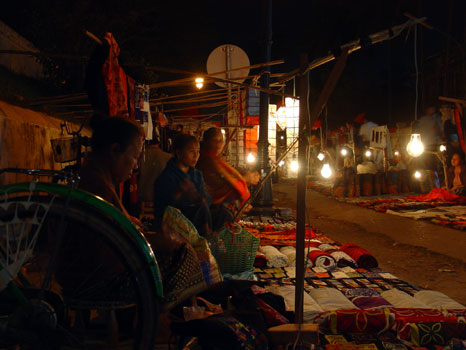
column 115, row 80
column 459, row 129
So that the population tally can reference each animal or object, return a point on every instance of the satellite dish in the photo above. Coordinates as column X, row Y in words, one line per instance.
column 225, row 58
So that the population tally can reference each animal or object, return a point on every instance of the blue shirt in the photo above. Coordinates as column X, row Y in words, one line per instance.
column 184, row 191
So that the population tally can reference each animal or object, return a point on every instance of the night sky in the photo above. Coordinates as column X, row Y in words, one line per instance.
column 181, row 34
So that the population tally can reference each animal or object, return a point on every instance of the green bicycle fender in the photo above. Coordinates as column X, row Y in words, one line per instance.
column 107, row 208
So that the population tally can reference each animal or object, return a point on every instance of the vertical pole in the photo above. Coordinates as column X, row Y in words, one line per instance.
column 264, row 198
column 301, row 194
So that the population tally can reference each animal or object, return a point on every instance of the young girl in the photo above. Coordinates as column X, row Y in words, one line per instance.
column 181, row 185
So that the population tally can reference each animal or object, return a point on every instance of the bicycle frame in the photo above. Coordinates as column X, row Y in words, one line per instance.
column 105, row 208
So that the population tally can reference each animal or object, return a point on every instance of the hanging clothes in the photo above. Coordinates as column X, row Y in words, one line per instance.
column 142, row 108
column 115, row 80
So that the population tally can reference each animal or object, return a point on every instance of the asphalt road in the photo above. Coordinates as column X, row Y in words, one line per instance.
column 427, row 255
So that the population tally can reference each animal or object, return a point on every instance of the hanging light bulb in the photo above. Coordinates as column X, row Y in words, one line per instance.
column 415, row 147
column 282, row 163
column 443, row 148
column 320, row 156
column 368, row 153
column 223, row 131
column 344, row 152
column 397, row 153
column 294, row 166
column 417, row 174
column 199, row 83
column 251, row 158
column 326, row 171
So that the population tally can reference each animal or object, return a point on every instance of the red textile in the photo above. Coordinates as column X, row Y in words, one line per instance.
column 281, row 238
column 360, row 118
column 460, row 129
column 314, row 254
column 404, row 317
column 317, row 124
column 438, row 194
column 272, row 316
column 359, row 321
column 115, row 80
column 260, row 261
column 361, row 256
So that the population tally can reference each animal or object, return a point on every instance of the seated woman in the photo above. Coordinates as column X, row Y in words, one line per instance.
column 116, row 146
column 456, row 175
column 227, row 187
column 181, row 185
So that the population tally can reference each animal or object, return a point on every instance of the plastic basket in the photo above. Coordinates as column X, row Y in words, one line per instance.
column 235, row 249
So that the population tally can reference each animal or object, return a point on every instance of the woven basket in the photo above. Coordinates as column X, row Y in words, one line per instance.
column 235, row 249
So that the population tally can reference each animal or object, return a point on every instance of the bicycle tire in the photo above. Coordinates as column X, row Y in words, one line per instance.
column 101, row 218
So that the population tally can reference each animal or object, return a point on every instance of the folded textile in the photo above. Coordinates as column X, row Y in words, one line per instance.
column 321, row 259
column 401, row 299
column 361, row 292
column 362, row 257
column 274, row 257
column 310, row 307
column 364, row 302
column 331, row 299
column 436, row 299
column 290, row 253
column 436, row 333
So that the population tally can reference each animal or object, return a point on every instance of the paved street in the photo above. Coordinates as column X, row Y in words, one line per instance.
column 428, row 255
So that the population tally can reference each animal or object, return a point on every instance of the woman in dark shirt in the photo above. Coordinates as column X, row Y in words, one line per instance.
column 116, row 147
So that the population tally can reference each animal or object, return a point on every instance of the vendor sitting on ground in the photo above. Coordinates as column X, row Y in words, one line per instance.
column 456, row 175
column 227, row 187
column 182, row 186
column 116, row 146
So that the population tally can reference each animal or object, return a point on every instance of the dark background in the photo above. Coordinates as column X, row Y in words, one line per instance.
column 378, row 80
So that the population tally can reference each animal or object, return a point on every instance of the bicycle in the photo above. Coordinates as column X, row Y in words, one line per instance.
column 37, row 221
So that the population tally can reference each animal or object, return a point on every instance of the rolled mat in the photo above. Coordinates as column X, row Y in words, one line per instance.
column 342, row 259
column 362, row 257
column 274, row 257
column 321, row 259
column 290, row 253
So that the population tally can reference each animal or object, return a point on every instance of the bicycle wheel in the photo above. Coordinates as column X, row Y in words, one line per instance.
column 62, row 252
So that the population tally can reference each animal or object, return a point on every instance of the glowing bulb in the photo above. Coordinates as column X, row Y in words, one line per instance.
column 415, row 147
column 368, row 153
column 282, row 163
column 199, row 83
column 320, row 156
column 443, row 148
column 326, row 171
column 294, row 165
column 417, row 174
column 223, row 131
column 251, row 158
column 397, row 153
column 344, row 152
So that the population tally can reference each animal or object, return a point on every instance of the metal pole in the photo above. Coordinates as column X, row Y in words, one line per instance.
column 301, row 194
column 265, row 199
